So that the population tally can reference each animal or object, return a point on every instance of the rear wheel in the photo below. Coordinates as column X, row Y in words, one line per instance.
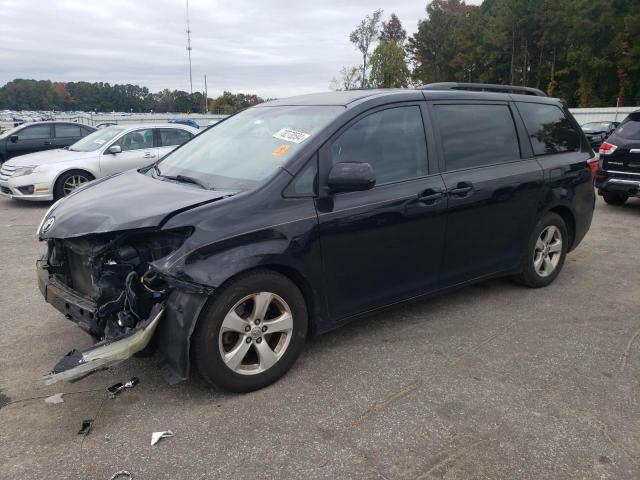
column 251, row 332
column 613, row 198
column 69, row 181
column 546, row 252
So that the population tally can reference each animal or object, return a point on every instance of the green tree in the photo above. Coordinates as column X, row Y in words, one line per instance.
column 362, row 37
column 388, row 66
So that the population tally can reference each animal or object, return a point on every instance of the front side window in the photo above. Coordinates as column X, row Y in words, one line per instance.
column 96, row 140
column 549, row 129
column 35, row 133
column 170, row 137
column 391, row 140
column 246, row 149
column 67, row 131
column 136, row 140
column 476, row 135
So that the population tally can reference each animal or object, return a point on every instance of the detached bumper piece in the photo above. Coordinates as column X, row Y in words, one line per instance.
column 76, row 365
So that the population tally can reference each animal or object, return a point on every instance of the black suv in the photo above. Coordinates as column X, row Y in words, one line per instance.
column 618, row 175
column 296, row 216
column 38, row 136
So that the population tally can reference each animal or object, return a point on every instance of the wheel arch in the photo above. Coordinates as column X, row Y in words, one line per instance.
column 569, row 218
column 59, row 175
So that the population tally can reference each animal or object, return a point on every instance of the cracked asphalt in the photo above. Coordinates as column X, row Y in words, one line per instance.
column 495, row 381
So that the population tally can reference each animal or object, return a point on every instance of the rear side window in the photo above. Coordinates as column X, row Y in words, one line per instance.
column 549, row 129
column 67, row 131
column 35, row 132
column 391, row 140
column 630, row 127
column 475, row 135
column 173, row 136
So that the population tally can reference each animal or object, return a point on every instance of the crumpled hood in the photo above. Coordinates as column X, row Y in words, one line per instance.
column 47, row 157
column 127, row 201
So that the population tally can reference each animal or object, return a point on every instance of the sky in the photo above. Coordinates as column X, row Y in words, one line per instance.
column 273, row 48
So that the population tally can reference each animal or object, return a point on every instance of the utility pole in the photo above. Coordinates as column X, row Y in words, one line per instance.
column 206, row 96
column 189, row 49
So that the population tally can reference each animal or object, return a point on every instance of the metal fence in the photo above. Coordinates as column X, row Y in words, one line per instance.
column 601, row 114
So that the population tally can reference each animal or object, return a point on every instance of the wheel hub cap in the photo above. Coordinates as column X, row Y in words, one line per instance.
column 548, row 251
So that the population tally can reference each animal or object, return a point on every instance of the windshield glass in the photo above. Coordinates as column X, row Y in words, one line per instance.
column 95, row 140
column 595, row 127
column 246, row 149
column 8, row 133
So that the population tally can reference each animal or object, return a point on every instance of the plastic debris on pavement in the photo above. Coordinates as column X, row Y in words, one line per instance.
column 121, row 475
column 156, row 436
column 57, row 398
column 86, row 427
column 119, row 387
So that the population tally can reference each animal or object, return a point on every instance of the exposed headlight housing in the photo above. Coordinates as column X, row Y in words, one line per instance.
column 21, row 171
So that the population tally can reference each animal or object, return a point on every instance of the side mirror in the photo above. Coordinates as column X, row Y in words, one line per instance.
column 351, row 177
column 113, row 149
column 13, row 138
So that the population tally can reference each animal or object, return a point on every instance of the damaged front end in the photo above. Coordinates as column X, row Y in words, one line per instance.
column 107, row 284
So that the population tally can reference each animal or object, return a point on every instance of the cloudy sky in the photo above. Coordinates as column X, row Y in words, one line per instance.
column 274, row 48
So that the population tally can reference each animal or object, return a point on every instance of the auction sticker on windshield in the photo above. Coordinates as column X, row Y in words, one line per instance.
column 291, row 135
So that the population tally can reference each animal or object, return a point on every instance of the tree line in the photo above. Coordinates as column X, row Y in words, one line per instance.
column 584, row 51
column 23, row 94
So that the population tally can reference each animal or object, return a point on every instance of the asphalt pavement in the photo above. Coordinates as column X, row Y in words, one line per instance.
column 495, row 381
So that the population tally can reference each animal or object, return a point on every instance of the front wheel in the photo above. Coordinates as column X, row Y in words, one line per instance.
column 251, row 332
column 546, row 252
column 69, row 181
column 613, row 198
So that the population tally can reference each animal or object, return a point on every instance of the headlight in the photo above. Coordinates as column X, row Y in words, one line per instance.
column 21, row 171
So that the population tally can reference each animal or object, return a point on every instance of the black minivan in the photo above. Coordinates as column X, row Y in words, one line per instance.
column 296, row 216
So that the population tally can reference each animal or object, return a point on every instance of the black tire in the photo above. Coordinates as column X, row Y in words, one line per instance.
column 206, row 340
column 530, row 275
column 58, row 189
column 614, row 198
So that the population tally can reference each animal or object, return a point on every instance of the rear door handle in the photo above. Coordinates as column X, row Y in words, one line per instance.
column 461, row 190
column 430, row 196
column 148, row 155
column 47, row 143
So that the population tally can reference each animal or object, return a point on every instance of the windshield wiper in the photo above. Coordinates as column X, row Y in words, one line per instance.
column 181, row 178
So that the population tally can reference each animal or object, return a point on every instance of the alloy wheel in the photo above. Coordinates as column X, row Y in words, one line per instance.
column 73, row 182
column 547, row 251
column 255, row 333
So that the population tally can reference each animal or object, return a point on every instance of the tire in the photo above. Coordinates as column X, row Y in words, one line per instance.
column 237, row 302
column 60, row 188
column 613, row 198
column 544, row 257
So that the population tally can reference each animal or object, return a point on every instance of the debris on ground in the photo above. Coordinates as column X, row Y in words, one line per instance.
column 122, row 474
column 57, row 398
column 86, row 427
column 156, row 436
column 119, row 387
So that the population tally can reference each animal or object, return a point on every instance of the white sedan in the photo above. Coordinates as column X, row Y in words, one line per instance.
column 54, row 174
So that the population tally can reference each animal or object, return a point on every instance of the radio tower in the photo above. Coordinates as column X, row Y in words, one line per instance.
column 189, row 49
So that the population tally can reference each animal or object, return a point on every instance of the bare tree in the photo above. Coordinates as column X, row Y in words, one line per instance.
column 362, row 37
column 349, row 78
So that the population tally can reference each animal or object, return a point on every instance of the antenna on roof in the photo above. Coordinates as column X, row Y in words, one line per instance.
column 189, row 49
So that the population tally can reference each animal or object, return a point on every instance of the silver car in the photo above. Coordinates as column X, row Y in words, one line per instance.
column 54, row 174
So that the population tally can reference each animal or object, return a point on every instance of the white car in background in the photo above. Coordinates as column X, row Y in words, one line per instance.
column 53, row 174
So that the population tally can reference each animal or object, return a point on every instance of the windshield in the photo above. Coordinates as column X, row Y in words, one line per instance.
column 246, row 149
column 8, row 133
column 95, row 140
column 595, row 127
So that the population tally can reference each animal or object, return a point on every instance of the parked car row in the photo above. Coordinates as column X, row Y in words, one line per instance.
column 53, row 174
column 296, row 216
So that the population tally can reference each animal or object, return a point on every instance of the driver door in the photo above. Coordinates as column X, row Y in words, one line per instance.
column 138, row 150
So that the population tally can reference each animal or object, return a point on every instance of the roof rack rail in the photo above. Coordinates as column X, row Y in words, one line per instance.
column 484, row 87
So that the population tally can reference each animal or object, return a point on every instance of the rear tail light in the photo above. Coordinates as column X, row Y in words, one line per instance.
column 593, row 164
column 607, row 149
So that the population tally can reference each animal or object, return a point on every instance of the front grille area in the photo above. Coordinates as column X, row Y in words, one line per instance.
column 80, row 273
column 6, row 171
column 6, row 190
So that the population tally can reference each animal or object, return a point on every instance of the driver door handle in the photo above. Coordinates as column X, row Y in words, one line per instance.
column 148, row 155
column 430, row 196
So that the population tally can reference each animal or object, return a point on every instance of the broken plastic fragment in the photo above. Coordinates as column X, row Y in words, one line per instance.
column 86, row 427
column 57, row 398
column 156, row 436
column 76, row 365
column 119, row 387
column 121, row 474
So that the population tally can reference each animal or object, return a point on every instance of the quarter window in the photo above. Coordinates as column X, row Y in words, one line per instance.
column 34, row 133
column 173, row 136
column 549, row 129
column 67, row 131
column 476, row 135
column 136, row 140
column 391, row 140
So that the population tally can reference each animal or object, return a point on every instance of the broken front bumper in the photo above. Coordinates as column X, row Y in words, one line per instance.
column 169, row 328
